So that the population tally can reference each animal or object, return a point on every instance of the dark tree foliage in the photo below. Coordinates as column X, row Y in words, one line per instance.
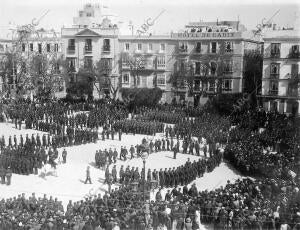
column 141, row 96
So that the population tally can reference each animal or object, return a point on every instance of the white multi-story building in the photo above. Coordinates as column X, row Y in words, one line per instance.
column 5, row 45
column 90, row 40
column 280, row 83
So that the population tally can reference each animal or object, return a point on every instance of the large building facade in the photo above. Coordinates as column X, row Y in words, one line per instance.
column 213, row 50
column 87, row 43
column 27, row 44
column 280, row 83
column 146, row 62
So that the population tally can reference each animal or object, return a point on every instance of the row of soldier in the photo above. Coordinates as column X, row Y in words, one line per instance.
column 76, row 137
column 102, row 158
column 139, row 127
column 22, row 161
column 171, row 177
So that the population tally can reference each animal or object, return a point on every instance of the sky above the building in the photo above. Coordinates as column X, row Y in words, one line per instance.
column 176, row 13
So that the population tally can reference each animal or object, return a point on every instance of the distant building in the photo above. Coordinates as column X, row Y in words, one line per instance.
column 218, row 46
column 90, row 41
column 146, row 62
column 25, row 44
column 152, row 61
column 280, row 83
column 5, row 45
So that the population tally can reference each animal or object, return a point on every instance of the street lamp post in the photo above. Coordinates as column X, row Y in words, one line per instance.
column 144, row 157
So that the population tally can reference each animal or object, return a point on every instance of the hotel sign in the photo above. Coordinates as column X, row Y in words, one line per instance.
column 207, row 35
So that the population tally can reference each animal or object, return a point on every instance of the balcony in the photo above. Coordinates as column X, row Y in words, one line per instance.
column 88, row 49
column 71, row 69
column 71, row 49
column 294, row 55
column 293, row 93
column 183, row 49
column 273, row 92
column 228, row 51
column 106, row 49
column 161, row 66
column 149, row 51
column 125, row 65
column 274, row 75
column 228, row 71
column 197, row 49
column 275, row 55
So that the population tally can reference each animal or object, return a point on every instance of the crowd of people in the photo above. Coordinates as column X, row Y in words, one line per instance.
column 212, row 127
column 270, row 150
column 25, row 158
column 139, row 127
column 258, row 144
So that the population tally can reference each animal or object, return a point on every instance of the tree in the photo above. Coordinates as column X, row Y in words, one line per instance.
column 141, row 96
column 197, row 71
column 14, row 72
column 183, row 75
column 45, row 74
column 136, row 63
column 31, row 70
column 253, row 61
column 104, row 77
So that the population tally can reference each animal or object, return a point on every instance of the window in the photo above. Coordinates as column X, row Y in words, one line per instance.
column 88, row 45
column 213, row 68
column 56, row 68
column 127, row 46
column 71, row 64
column 228, row 47
column 228, row 67
column 197, row 85
column 106, row 64
column 198, row 47
column 182, row 66
column 197, row 68
column 40, row 48
column 23, row 47
column 294, row 70
column 149, row 47
column 71, row 44
column 161, row 61
column 295, row 51
column 274, row 71
column 125, row 79
column 88, row 62
column 31, row 47
column 162, row 47
column 183, row 47
column 211, row 86
column 139, row 46
column 48, row 48
column 56, row 47
column 273, row 87
column 125, row 60
column 88, row 14
column 213, row 47
column 106, row 45
column 161, row 79
column 275, row 49
column 227, row 85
